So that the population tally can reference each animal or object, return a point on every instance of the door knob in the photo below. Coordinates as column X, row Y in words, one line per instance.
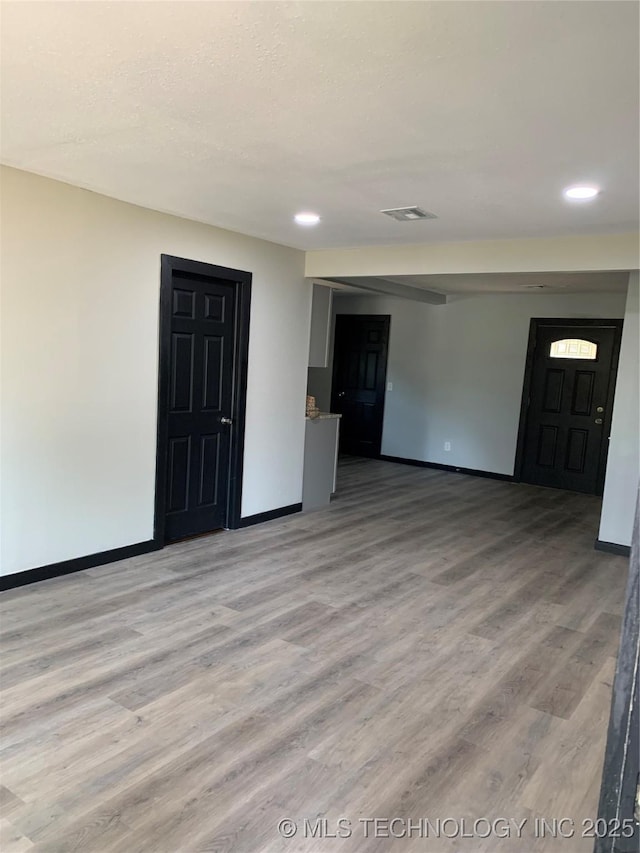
column 340, row 393
column 598, row 420
column 226, row 421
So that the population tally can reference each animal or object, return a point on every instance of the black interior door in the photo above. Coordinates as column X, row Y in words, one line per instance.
column 572, row 377
column 200, row 391
column 359, row 373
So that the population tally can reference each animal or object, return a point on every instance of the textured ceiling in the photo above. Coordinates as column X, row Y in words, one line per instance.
column 242, row 113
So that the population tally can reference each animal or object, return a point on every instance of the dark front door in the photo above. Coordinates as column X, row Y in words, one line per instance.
column 359, row 372
column 570, row 395
column 201, row 390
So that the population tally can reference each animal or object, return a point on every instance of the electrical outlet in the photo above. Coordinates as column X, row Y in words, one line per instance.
column 447, row 445
column 389, row 386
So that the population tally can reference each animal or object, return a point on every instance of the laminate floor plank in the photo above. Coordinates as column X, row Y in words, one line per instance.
column 430, row 645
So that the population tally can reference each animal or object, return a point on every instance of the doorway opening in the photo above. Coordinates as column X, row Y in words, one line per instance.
column 359, row 377
column 202, row 388
column 567, row 402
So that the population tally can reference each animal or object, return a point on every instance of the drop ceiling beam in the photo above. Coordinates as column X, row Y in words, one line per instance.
column 393, row 288
column 558, row 254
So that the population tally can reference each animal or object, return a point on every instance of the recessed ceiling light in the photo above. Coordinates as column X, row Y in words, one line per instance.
column 307, row 218
column 581, row 193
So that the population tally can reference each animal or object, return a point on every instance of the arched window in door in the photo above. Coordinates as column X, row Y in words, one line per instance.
column 574, row 348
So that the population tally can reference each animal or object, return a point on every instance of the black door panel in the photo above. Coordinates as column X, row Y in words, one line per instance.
column 571, row 380
column 359, row 373
column 200, row 395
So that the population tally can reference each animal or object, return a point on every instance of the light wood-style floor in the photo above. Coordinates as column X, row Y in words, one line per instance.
column 433, row 646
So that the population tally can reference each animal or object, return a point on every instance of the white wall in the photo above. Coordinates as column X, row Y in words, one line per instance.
column 457, row 371
column 80, row 278
column 319, row 385
column 319, row 379
column 623, row 464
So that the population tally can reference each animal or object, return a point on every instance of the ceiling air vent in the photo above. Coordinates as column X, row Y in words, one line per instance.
column 408, row 214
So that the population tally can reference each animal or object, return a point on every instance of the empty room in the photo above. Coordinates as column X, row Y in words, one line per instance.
column 320, row 426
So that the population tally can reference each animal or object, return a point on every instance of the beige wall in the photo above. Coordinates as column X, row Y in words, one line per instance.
column 80, row 277
column 557, row 254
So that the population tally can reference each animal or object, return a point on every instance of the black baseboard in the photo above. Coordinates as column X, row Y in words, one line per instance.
column 66, row 567
column 78, row 564
column 249, row 520
column 612, row 548
column 418, row 463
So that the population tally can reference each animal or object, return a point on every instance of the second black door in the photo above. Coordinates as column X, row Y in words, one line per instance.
column 571, row 378
column 359, row 374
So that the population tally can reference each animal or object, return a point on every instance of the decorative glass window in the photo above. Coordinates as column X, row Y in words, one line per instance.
column 574, row 348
